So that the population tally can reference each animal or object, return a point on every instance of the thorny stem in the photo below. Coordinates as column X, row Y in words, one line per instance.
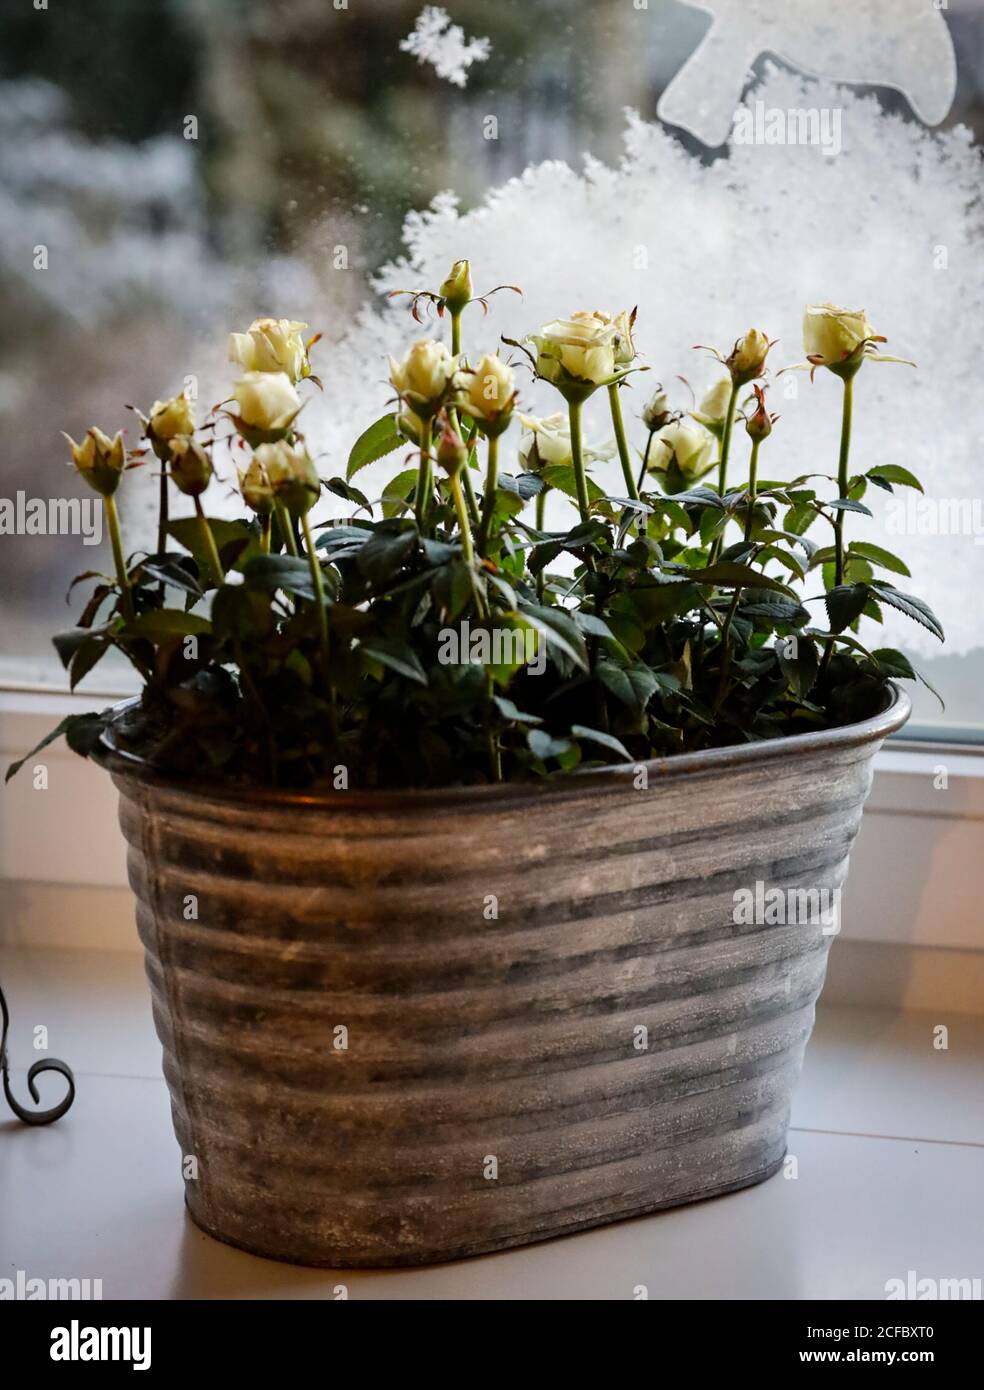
column 623, row 448
column 541, row 507
column 208, row 544
column 116, row 540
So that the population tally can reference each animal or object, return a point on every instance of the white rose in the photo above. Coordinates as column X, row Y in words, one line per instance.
column 830, row 335
column 490, row 393
column 424, row 376
column 714, row 404
column 584, row 345
column 551, row 439
column 272, row 345
column 291, row 475
column 687, row 444
column 267, row 400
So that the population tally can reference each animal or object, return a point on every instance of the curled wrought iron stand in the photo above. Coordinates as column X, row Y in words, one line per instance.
column 32, row 1117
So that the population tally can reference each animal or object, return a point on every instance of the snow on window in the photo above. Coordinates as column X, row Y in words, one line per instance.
column 903, row 44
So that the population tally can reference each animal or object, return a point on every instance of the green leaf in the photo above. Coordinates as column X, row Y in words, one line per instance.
column 340, row 488
column 892, row 473
column 561, row 477
column 633, row 685
column 726, row 574
column 912, row 607
column 800, row 669
column 398, row 493
column 226, row 533
column 172, row 570
column 894, row 663
column 397, row 656
column 878, row 556
column 82, row 732
column 844, row 504
column 382, row 558
column 844, row 604
column 560, row 630
column 161, row 624
column 374, row 443
column 268, row 573
column 603, row 740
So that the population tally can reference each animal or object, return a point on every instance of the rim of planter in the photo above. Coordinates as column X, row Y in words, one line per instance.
column 610, row 778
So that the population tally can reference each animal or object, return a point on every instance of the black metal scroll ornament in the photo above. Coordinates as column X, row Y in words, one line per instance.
column 33, row 1117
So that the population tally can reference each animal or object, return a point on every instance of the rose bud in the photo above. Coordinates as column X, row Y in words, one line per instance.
column 457, row 289
column 452, row 451
column 424, row 377
column 189, row 465
column 268, row 404
column 168, row 418
column 99, row 459
column 625, row 350
column 255, row 486
column 747, row 361
column 657, row 412
column 759, row 425
column 272, row 345
column 489, row 396
column 291, row 474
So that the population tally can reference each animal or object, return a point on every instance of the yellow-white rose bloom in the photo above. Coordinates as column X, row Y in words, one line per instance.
column 291, row 475
column 490, row 392
column 714, row 403
column 168, row 418
column 550, row 438
column 272, row 345
column 584, row 345
column 685, row 442
column 424, row 376
column 99, row 459
column 266, row 400
column 830, row 335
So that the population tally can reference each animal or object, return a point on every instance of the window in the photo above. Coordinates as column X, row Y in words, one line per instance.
column 169, row 172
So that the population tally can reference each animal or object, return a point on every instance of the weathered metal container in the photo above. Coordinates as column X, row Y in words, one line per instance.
column 404, row 1028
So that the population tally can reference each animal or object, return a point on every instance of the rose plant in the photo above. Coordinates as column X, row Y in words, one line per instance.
column 673, row 617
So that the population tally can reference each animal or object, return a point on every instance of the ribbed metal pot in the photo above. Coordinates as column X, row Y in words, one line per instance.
column 406, row 1027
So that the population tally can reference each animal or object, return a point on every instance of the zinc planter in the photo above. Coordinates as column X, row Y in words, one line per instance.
column 407, row 1027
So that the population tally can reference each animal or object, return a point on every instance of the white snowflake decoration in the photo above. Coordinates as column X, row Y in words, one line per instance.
column 903, row 44
column 437, row 41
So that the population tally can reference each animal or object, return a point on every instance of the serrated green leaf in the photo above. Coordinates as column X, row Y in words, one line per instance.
column 374, row 443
